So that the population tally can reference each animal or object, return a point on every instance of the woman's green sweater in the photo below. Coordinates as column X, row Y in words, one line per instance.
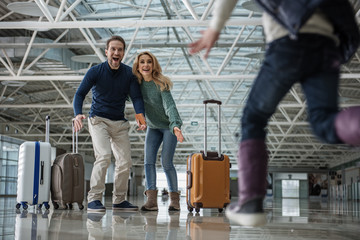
column 160, row 108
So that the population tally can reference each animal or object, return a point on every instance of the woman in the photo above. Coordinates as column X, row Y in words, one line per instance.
column 164, row 125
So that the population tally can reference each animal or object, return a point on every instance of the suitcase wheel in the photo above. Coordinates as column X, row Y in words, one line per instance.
column 46, row 204
column 39, row 206
column 220, row 210
column 190, row 209
column 18, row 206
column 24, row 205
column 56, row 206
column 70, row 206
column 81, row 207
column 197, row 210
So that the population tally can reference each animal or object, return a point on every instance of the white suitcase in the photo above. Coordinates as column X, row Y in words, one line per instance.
column 34, row 173
column 32, row 226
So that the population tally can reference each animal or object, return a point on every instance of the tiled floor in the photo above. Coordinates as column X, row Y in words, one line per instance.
column 287, row 219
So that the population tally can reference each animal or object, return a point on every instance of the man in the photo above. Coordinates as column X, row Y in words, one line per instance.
column 307, row 40
column 111, row 82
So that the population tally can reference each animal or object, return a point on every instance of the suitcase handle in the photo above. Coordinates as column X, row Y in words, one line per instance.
column 189, row 175
column 74, row 140
column 42, row 173
column 212, row 156
column 219, row 125
column 47, row 131
column 212, row 101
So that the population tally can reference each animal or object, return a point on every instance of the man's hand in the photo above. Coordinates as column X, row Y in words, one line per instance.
column 140, row 120
column 178, row 134
column 207, row 41
column 78, row 124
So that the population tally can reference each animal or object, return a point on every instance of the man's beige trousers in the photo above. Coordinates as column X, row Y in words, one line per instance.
column 107, row 136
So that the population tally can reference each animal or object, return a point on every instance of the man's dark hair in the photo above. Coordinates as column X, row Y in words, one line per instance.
column 115, row 38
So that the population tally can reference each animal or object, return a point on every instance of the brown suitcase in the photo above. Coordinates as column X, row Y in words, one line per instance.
column 208, row 176
column 67, row 179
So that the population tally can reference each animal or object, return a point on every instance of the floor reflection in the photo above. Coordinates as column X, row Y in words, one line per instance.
column 215, row 226
column 288, row 210
column 287, row 219
column 31, row 225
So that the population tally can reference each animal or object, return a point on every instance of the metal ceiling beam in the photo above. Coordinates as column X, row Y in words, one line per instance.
column 300, row 123
column 190, row 9
column 233, row 106
column 68, row 10
column 125, row 23
column 228, row 55
column 46, row 50
column 44, row 9
column 173, row 77
column 159, row 44
column 136, row 31
column 9, row 61
column 7, row 67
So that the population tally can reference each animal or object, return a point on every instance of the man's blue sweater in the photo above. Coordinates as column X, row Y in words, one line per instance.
column 110, row 89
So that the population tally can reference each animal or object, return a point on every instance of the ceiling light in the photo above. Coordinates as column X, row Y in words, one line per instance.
column 23, row 72
column 143, row 50
column 37, row 29
column 252, row 6
column 13, row 83
column 259, row 55
column 30, row 8
column 8, row 99
column 86, row 58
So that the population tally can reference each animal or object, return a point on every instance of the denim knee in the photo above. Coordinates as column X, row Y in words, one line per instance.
column 168, row 167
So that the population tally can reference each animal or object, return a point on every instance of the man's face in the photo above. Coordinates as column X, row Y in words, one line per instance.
column 115, row 54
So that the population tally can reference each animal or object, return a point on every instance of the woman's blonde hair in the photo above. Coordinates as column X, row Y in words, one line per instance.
column 162, row 81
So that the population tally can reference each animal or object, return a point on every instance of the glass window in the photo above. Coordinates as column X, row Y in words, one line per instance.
column 290, row 188
column 9, row 153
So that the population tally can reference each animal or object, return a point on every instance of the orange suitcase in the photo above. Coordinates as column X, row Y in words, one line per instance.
column 208, row 176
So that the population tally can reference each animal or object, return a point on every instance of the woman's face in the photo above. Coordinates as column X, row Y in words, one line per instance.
column 145, row 66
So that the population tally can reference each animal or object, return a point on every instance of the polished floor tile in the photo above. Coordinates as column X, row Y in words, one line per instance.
column 287, row 219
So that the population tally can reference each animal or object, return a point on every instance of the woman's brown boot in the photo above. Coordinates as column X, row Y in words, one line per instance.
column 151, row 203
column 174, row 201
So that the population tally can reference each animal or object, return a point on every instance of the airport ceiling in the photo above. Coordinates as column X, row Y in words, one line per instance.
column 47, row 46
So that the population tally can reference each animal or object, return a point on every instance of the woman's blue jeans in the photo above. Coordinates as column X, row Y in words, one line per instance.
column 313, row 61
column 153, row 140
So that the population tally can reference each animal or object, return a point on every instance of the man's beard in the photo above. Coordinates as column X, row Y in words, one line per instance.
column 114, row 64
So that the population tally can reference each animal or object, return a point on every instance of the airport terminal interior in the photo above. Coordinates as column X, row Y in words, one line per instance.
column 47, row 46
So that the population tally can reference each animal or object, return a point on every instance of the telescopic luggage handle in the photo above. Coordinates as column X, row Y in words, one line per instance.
column 205, row 120
column 212, row 101
column 47, row 129
column 74, row 139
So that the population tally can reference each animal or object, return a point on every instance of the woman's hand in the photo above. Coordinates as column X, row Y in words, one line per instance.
column 178, row 134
